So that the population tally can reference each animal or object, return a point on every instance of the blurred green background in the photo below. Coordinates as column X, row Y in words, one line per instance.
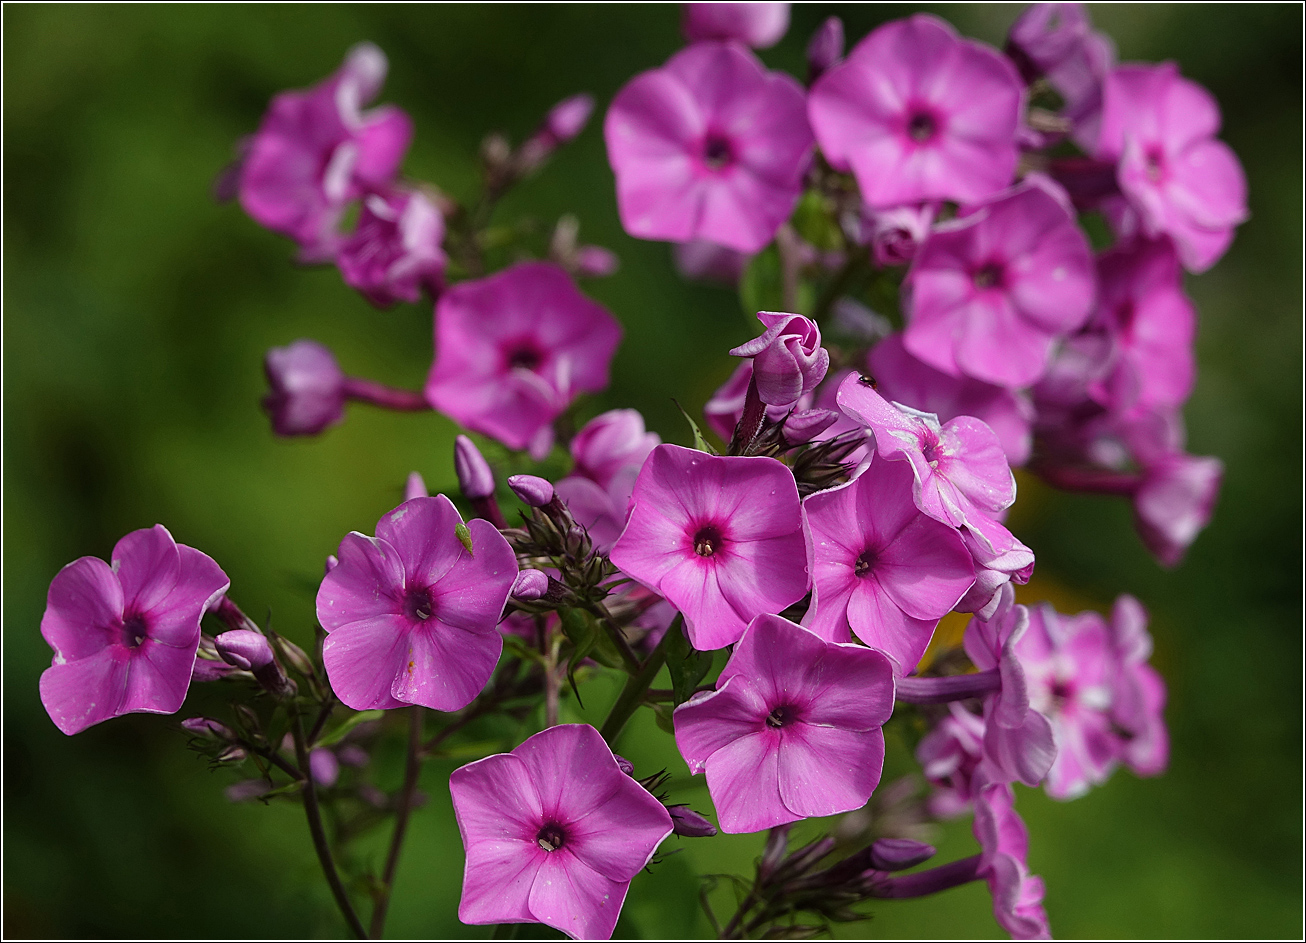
column 136, row 314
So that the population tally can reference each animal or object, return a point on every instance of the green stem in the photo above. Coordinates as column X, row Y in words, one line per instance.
column 412, row 768
column 628, row 656
column 638, row 684
column 314, row 815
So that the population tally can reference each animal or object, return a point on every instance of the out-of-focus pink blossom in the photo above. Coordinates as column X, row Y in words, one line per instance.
column 881, row 567
column 788, row 359
column 1138, row 693
column 308, row 388
column 990, row 292
column 1182, row 182
column 919, row 113
column 901, row 378
column 703, row 261
column 396, row 249
column 1174, row 502
column 792, row 730
column 760, row 25
column 897, row 232
column 514, row 349
column 825, row 48
column 611, row 442
column 949, row 756
column 723, row 539
column 410, row 614
column 316, row 150
column 1004, row 843
column 554, row 833
column 710, row 146
column 125, row 636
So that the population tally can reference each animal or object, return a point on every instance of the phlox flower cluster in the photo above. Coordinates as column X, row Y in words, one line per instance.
column 858, row 494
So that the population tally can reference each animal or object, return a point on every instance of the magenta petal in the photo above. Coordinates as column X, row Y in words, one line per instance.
column 365, row 584
column 572, row 769
column 826, row 770
column 445, row 667
column 743, row 778
column 148, row 565
column 159, row 675
column 710, row 620
column 879, row 622
column 711, row 720
column 175, row 619
column 572, row 897
column 619, row 837
column 364, row 658
column 83, row 609
column 495, row 799
column 420, row 531
column 926, row 570
column 86, row 691
column 475, row 589
column 497, row 881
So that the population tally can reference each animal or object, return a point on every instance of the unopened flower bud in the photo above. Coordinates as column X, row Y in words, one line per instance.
column 332, row 561
column 473, row 471
column 899, row 854
column 689, row 824
column 1045, row 35
column 206, row 727
column 308, row 388
column 533, row 490
column 896, row 233
column 295, row 656
column 246, row 791
column 352, row 755
column 233, row 754
column 788, row 360
column 825, row 48
column 324, row 767
column 415, row 486
column 626, row 766
column 244, row 648
column 760, row 25
column 568, row 118
column 530, row 584
column 805, row 425
column 596, row 262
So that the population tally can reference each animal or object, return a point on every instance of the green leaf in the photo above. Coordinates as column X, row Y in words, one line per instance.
column 519, row 648
column 465, row 536
column 700, row 443
column 686, row 664
column 662, row 712
column 338, row 734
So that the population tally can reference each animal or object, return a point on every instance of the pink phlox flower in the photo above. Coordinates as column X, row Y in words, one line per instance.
column 793, row 729
column 1004, row 844
column 723, row 539
column 1069, row 664
column 554, row 833
column 1174, row 503
column 1000, row 558
column 316, row 151
column 990, row 292
column 960, row 470
column 1138, row 693
column 396, row 249
column 902, row 378
column 897, row 232
column 726, row 407
column 513, row 350
column 307, row 388
column 1018, row 740
column 788, row 359
column 919, row 113
column 1176, row 175
column 601, row 509
column 950, row 754
column 411, row 613
column 702, row 261
column 710, row 146
column 125, row 635
column 760, row 25
column 881, row 567
column 610, row 443
column 1142, row 307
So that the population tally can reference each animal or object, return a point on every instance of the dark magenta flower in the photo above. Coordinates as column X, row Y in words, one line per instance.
column 1004, row 843
column 788, row 359
column 316, row 151
column 1177, row 177
column 396, row 249
column 901, row 378
column 882, row 568
column 611, row 443
column 919, row 113
column 723, row 539
column 793, row 729
column 711, row 146
column 125, row 636
column 760, row 25
column 990, row 292
column 514, row 349
column 411, row 613
column 308, row 388
column 554, row 833
column 1138, row 693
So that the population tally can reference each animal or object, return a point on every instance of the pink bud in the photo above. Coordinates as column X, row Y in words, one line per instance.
column 533, row 490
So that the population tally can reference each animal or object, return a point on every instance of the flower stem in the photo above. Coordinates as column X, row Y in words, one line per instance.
column 949, row 688
column 750, row 422
column 411, row 770
column 387, row 397
column 637, row 685
column 953, row 874
column 314, row 815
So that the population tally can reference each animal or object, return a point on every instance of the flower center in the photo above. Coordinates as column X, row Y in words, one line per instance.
column 988, row 275
column 551, row 837
column 1061, row 692
column 864, row 563
column 133, row 630
column 921, row 127
column 1155, row 164
column 717, row 152
column 418, row 604
column 932, row 451
column 708, row 541
column 782, row 715
column 525, row 356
